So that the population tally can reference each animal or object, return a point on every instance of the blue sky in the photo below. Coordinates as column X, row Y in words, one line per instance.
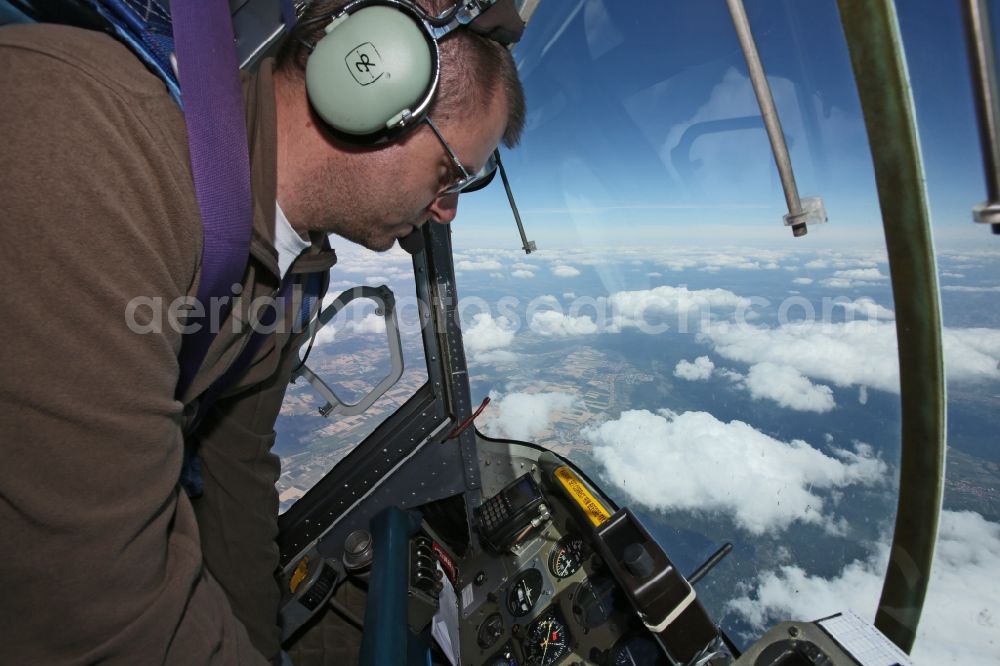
column 643, row 128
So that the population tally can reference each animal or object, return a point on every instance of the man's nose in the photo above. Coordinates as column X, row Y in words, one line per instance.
column 444, row 208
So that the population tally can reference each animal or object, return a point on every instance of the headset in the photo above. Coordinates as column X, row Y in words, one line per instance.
column 374, row 74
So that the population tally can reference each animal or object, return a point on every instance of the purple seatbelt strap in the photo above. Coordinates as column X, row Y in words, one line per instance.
column 212, row 98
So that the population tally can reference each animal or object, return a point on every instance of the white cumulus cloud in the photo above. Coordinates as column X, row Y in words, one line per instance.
column 486, row 333
column 562, row 270
column 524, row 416
column 631, row 308
column 949, row 287
column 497, row 357
column 853, row 353
column 698, row 370
column 861, row 274
column 855, row 277
column 961, row 611
column 484, row 265
column 523, row 274
column 356, row 324
column 788, row 387
column 729, row 468
column 803, row 280
column 554, row 324
column 867, row 307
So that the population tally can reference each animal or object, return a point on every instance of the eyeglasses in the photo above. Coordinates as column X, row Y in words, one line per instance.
column 467, row 182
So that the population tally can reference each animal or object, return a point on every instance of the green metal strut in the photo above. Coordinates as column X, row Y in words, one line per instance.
column 873, row 40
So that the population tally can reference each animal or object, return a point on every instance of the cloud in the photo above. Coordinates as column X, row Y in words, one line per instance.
column 861, row 274
column 371, row 324
column 803, row 280
column 338, row 329
column 557, row 325
column 788, row 387
column 867, row 307
column 524, row 416
column 853, row 353
column 855, row 277
column 699, row 370
column 487, row 334
column 562, row 270
column 520, row 265
column 630, row 308
column 485, row 265
column 729, row 468
column 523, row 274
column 497, row 357
column 545, row 299
column 949, row 287
column 961, row 611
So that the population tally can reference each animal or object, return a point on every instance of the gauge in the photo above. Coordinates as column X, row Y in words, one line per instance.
column 596, row 601
column 505, row 657
column 547, row 642
column 490, row 631
column 637, row 651
column 566, row 557
column 524, row 592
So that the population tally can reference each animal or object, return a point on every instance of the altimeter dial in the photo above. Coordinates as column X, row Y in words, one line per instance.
column 547, row 642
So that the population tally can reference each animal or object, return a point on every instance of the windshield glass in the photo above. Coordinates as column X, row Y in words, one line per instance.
column 727, row 381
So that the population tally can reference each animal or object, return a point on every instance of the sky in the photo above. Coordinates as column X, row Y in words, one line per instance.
column 643, row 128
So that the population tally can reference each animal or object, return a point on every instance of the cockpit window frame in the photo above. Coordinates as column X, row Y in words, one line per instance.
column 362, row 483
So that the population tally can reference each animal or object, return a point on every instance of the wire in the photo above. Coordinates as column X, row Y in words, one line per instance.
column 461, row 427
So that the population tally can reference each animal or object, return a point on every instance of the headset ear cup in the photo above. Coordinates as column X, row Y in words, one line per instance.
column 373, row 65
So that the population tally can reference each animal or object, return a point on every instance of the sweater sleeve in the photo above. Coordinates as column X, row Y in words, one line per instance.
column 102, row 560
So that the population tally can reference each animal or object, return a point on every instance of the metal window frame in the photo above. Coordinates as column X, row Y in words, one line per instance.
column 369, row 478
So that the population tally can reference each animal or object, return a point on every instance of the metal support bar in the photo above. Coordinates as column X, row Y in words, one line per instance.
column 710, row 563
column 800, row 213
column 529, row 246
column 873, row 41
column 982, row 62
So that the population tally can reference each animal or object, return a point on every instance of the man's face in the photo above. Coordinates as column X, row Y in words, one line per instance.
column 374, row 197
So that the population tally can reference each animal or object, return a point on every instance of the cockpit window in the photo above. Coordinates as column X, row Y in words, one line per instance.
column 727, row 381
column 351, row 354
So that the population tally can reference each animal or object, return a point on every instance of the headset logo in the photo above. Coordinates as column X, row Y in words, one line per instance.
column 365, row 64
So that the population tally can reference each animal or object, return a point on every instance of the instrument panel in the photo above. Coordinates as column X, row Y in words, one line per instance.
column 548, row 601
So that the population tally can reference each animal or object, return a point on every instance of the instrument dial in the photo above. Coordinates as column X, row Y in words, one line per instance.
column 490, row 631
column 524, row 592
column 566, row 557
column 547, row 642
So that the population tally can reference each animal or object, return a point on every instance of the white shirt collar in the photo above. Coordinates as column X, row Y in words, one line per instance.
column 287, row 241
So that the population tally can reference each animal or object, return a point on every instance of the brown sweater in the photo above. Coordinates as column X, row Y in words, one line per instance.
column 101, row 554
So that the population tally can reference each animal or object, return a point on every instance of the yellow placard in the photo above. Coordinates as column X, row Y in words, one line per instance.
column 594, row 509
column 299, row 575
